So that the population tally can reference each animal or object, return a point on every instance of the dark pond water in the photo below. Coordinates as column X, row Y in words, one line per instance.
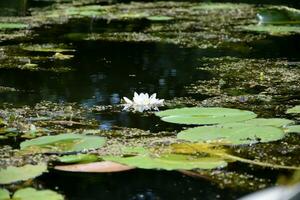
column 104, row 72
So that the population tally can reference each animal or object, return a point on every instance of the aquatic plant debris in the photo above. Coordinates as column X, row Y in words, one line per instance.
column 143, row 102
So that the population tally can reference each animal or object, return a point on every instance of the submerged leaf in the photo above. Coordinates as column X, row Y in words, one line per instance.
column 235, row 133
column 63, row 143
column 14, row 174
column 197, row 115
column 104, row 166
column 294, row 110
column 33, row 194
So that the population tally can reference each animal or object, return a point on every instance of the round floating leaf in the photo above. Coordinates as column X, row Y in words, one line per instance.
column 293, row 129
column 46, row 48
column 159, row 18
column 294, row 110
column 104, row 166
column 4, row 26
column 236, row 133
column 169, row 161
column 278, row 15
column 33, row 194
column 4, row 194
column 197, row 115
column 218, row 6
column 14, row 174
column 78, row 158
column 63, row 143
column 272, row 29
column 276, row 122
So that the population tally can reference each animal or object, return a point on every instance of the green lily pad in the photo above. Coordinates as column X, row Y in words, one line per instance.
column 4, row 26
column 276, row 122
column 235, row 133
column 218, row 6
column 294, row 110
column 159, row 18
column 169, row 161
column 4, row 194
column 47, row 48
column 14, row 174
column 63, row 143
column 197, row 115
column 78, row 158
column 293, row 129
column 273, row 30
column 33, row 194
column 279, row 15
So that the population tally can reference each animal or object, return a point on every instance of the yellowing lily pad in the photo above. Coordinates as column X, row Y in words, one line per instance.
column 169, row 161
column 62, row 143
column 33, row 194
column 198, row 115
column 14, row 174
column 236, row 133
column 103, row 166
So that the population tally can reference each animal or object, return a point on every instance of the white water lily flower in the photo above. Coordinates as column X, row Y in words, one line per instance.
column 142, row 101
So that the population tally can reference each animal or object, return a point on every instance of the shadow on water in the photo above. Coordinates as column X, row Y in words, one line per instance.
column 134, row 185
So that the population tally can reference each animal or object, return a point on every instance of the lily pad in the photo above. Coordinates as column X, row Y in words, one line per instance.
column 169, row 161
column 273, row 30
column 276, row 122
column 4, row 194
column 79, row 158
column 294, row 110
column 4, row 26
column 33, row 194
column 159, row 18
column 103, row 166
column 235, row 133
column 47, row 48
column 279, row 15
column 218, row 6
column 293, row 129
column 14, row 174
column 197, row 115
column 63, row 143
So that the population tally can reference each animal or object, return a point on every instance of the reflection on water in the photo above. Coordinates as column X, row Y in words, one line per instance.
column 104, row 72
column 13, row 7
column 135, row 185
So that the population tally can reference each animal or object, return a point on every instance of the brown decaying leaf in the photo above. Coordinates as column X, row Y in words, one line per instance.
column 103, row 166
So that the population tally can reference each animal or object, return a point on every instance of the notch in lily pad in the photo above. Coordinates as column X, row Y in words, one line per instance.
column 232, row 134
column 63, row 143
column 204, row 116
